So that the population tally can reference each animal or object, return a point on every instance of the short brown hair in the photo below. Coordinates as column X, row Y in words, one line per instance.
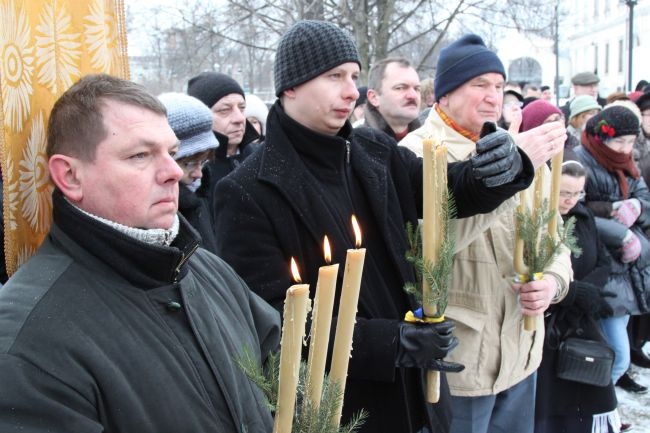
column 76, row 124
column 376, row 73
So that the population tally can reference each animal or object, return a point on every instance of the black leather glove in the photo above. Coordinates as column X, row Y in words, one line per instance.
column 497, row 160
column 423, row 345
column 591, row 299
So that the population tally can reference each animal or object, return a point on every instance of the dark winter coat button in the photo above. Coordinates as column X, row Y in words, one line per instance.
column 173, row 306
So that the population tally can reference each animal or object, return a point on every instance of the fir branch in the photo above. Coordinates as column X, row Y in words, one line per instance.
column 266, row 379
column 540, row 248
column 437, row 275
column 307, row 419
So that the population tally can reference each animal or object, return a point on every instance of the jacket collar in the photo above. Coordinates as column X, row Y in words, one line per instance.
column 579, row 211
column 458, row 146
column 374, row 119
column 143, row 265
column 250, row 135
column 300, row 188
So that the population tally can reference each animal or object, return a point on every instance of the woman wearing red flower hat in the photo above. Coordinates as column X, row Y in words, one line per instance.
column 620, row 200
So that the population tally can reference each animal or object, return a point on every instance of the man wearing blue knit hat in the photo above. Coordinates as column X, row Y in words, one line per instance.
column 313, row 172
column 496, row 391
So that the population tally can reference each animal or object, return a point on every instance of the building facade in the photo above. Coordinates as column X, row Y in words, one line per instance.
column 593, row 36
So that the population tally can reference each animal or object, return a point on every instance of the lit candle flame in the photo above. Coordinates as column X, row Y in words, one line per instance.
column 357, row 231
column 328, row 250
column 294, row 271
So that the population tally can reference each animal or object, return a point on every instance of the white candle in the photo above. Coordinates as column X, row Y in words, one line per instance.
column 296, row 305
column 321, row 324
column 434, row 191
column 347, row 316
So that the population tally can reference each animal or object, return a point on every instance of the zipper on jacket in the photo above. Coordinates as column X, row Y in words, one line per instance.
column 184, row 258
column 347, row 151
column 347, row 177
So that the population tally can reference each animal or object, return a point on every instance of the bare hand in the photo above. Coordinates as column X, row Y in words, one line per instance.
column 535, row 296
column 543, row 142
column 515, row 118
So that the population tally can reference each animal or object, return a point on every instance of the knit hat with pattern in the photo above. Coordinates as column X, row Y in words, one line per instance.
column 209, row 87
column 191, row 121
column 613, row 121
column 308, row 49
column 463, row 60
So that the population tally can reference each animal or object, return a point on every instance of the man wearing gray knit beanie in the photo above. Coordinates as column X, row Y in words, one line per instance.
column 496, row 392
column 313, row 173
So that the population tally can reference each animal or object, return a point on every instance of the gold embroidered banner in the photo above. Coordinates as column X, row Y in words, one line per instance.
column 45, row 46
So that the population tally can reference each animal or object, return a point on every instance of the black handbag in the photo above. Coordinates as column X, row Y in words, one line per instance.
column 585, row 361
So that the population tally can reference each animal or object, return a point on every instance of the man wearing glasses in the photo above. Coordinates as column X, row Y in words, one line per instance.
column 191, row 121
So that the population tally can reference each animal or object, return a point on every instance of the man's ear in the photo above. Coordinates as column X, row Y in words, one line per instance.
column 64, row 172
column 373, row 98
column 289, row 93
column 444, row 101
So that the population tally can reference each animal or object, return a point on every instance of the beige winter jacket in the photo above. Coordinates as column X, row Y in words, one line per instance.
column 494, row 347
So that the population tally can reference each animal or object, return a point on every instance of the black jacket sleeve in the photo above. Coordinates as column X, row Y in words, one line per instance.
column 470, row 195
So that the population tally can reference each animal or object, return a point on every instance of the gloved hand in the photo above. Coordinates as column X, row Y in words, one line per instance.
column 626, row 211
column 423, row 345
column 590, row 299
column 497, row 160
column 631, row 249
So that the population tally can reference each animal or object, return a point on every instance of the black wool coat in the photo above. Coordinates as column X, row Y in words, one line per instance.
column 280, row 203
column 222, row 164
column 555, row 396
column 198, row 213
column 374, row 119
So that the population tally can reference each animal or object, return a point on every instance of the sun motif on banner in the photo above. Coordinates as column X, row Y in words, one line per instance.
column 12, row 198
column 101, row 36
column 17, row 60
column 45, row 46
column 35, row 188
column 57, row 49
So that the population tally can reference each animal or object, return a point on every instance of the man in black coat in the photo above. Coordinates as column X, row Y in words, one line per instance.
column 237, row 136
column 312, row 174
column 393, row 97
column 120, row 322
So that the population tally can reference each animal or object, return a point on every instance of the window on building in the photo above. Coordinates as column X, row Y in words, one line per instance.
column 620, row 55
column 596, row 59
column 595, row 8
column 606, row 66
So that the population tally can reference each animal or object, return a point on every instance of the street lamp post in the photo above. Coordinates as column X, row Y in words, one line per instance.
column 630, row 42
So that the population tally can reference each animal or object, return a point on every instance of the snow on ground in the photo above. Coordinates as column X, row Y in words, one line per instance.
column 635, row 408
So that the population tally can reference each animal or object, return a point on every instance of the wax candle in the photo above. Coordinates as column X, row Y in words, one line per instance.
column 434, row 200
column 347, row 315
column 296, row 305
column 554, row 202
column 320, row 326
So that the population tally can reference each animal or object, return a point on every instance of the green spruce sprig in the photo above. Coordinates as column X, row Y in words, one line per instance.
column 437, row 275
column 307, row 419
column 539, row 246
